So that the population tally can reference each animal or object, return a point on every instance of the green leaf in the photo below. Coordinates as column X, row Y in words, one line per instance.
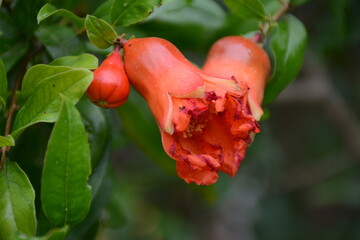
column 82, row 61
column 247, row 8
column 54, row 234
column 48, row 10
column 44, row 103
column 287, row 47
column 127, row 12
column 60, row 40
column 7, row 141
column 38, row 73
column 13, row 53
column 17, row 208
column 65, row 193
column 99, row 32
column 96, row 128
column 3, row 86
column 103, row 11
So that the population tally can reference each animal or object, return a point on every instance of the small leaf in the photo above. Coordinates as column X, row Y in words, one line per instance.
column 99, row 32
column 247, row 8
column 59, row 40
column 82, row 61
column 287, row 47
column 17, row 208
column 44, row 103
column 3, row 86
column 65, row 193
column 7, row 141
column 127, row 12
column 48, row 10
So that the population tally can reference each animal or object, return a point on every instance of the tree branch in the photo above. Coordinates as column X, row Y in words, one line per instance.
column 13, row 106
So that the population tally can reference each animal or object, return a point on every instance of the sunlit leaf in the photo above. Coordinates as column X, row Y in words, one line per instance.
column 44, row 103
column 127, row 12
column 38, row 73
column 17, row 209
column 99, row 32
column 65, row 193
column 54, row 234
column 287, row 47
column 48, row 10
column 7, row 141
column 247, row 8
column 82, row 61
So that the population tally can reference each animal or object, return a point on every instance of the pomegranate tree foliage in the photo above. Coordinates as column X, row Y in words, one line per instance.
column 47, row 53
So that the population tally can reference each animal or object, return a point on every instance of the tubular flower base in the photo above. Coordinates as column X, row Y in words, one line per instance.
column 205, row 122
column 241, row 59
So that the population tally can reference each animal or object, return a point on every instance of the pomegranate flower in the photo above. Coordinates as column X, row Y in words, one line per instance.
column 205, row 123
column 241, row 59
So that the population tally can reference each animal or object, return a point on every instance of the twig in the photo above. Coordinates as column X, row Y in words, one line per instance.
column 13, row 105
column 264, row 28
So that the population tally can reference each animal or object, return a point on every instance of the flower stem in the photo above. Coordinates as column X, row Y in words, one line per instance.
column 13, row 105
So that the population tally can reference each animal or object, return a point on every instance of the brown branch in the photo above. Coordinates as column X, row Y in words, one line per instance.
column 284, row 8
column 13, row 106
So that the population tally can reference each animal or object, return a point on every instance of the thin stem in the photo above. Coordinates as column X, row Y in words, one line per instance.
column 13, row 105
column 264, row 28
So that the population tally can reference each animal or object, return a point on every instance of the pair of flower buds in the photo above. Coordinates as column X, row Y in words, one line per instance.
column 207, row 117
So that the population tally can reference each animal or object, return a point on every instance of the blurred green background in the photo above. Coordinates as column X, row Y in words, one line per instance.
column 300, row 178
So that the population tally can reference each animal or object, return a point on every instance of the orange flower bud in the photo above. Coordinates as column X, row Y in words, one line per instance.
column 110, row 87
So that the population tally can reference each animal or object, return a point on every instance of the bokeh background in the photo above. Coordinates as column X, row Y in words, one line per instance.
column 300, row 178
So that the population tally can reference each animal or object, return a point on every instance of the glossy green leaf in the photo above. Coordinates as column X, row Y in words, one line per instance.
column 99, row 32
column 247, row 8
column 54, row 234
column 287, row 47
column 60, row 40
column 96, row 128
column 103, row 11
column 65, row 193
column 3, row 86
column 127, row 12
column 7, row 141
column 17, row 209
column 38, row 73
column 85, row 60
column 44, row 103
column 48, row 10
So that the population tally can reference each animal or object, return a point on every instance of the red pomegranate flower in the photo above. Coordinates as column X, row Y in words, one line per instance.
column 204, row 121
column 241, row 59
